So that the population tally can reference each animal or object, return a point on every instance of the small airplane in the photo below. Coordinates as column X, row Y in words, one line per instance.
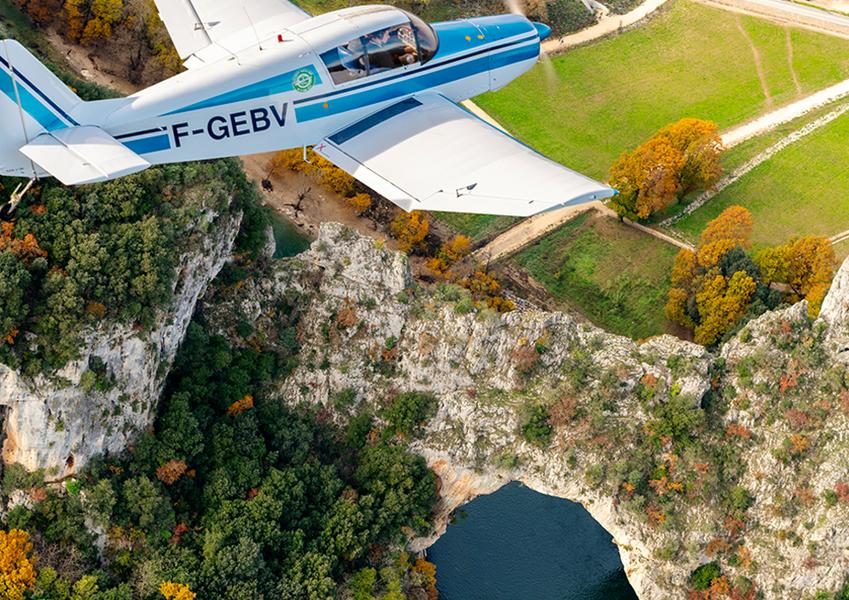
column 374, row 89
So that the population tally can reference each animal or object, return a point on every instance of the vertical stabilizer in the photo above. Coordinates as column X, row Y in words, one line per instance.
column 32, row 101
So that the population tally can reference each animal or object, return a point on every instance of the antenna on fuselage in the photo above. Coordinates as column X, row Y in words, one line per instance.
column 256, row 33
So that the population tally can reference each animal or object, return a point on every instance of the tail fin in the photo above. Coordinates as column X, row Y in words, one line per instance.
column 32, row 101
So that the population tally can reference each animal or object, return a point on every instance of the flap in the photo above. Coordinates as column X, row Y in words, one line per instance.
column 428, row 153
column 233, row 25
column 79, row 155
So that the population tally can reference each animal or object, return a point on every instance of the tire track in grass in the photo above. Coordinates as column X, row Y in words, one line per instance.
column 756, row 55
column 790, row 60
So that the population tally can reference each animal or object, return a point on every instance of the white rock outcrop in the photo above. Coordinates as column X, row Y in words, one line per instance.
column 53, row 423
column 486, row 369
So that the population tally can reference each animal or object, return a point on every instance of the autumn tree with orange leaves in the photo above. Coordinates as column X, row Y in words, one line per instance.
column 410, row 229
column 449, row 253
column 679, row 159
column 714, row 287
column 804, row 264
column 42, row 12
column 176, row 591
column 17, row 564
column 719, row 284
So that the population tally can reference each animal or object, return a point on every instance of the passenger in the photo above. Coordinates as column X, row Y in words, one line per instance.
column 379, row 56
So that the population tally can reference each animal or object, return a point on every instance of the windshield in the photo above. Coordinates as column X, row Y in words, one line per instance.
column 403, row 45
column 425, row 35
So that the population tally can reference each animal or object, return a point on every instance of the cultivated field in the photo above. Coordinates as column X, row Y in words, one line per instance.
column 802, row 190
column 690, row 61
column 616, row 276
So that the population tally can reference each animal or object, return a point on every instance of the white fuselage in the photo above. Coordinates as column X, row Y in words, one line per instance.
column 281, row 95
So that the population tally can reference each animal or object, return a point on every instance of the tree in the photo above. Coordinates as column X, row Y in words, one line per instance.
column 733, row 224
column 647, row 179
column 408, row 411
column 701, row 146
column 17, row 564
column 679, row 159
column 104, row 14
column 14, row 282
column 148, row 504
column 805, row 264
column 170, row 472
column 714, row 287
column 360, row 203
column 450, row 252
column 76, row 15
column 410, row 229
column 42, row 12
column 721, row 303
column 176, row 591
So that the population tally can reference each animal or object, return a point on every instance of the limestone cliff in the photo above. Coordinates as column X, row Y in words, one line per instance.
column 59, row 422
column 684, row 456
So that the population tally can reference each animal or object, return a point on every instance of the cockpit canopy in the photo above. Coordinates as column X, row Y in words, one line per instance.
column 410, row 42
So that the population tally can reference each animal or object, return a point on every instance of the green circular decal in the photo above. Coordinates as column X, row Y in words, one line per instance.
column 303, row 80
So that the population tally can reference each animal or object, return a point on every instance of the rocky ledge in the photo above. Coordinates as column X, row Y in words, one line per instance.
column 686, row 457
column 59, row 422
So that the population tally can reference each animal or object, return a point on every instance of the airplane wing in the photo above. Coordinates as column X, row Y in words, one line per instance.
column 204, row 31
column 428, row 153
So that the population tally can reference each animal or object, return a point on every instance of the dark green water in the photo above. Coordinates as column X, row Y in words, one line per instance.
column 290, row 240
column 518, row 544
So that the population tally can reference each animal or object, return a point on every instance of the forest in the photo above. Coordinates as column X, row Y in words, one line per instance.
column 232, row 495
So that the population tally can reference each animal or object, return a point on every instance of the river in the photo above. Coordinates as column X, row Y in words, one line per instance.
column 290, row 240
column 517, row 544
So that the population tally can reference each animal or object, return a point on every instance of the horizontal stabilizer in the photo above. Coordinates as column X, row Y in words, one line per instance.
column 78, row 155
column 427, row 153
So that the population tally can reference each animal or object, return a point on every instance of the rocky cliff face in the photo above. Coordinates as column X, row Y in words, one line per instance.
column 58, row 423
column 684, row 456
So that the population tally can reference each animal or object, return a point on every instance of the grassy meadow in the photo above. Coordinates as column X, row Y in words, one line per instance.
column 802, row 190
column 616, row 276
column 689, row 61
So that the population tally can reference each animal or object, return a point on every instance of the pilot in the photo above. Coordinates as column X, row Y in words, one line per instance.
column 407, row 57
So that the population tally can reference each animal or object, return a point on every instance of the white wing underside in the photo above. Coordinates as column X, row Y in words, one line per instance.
column 427, row 153
column 205, row 31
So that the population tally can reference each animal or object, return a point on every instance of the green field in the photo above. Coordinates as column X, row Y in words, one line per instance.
column 802, row 190
column 476, row 226
column 690, row 61
column 616, row 276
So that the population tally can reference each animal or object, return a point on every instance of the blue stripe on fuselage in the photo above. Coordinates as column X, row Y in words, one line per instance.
column 261, row 89
column 151, row 144
column 416, row 82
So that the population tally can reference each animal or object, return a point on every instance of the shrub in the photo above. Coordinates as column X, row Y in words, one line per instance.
column 408, row 411
column 344, row 399
column 537, row 427
column 703, row 576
